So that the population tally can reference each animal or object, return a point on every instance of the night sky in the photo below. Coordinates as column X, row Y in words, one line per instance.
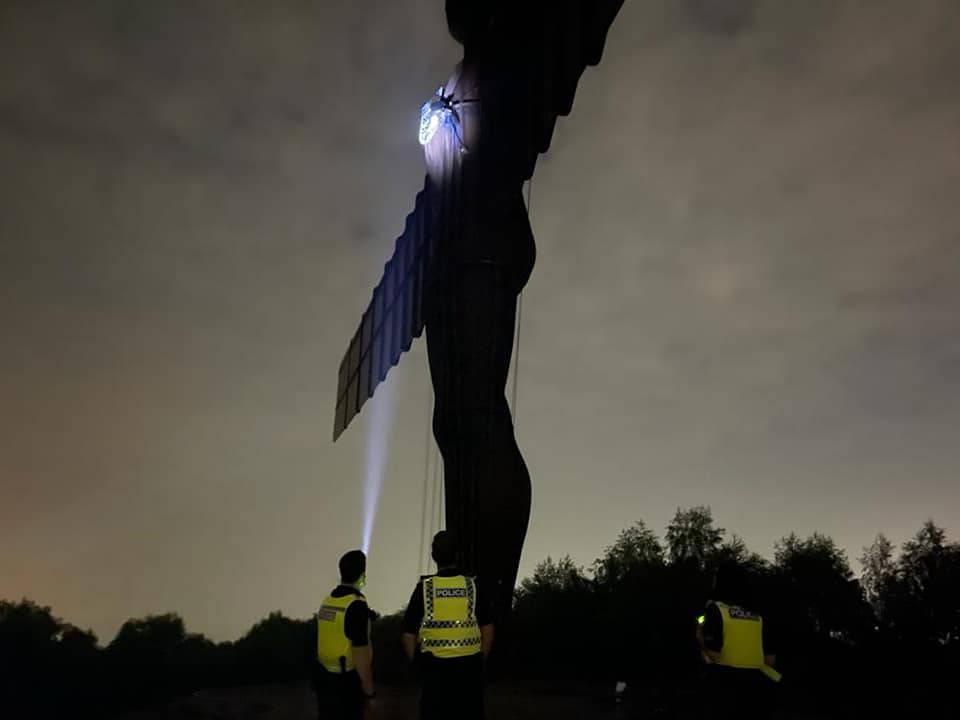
column 747, row 293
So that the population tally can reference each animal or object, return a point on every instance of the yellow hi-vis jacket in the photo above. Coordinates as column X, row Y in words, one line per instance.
column 742, row 641
column 449, row 627
column 334, row 649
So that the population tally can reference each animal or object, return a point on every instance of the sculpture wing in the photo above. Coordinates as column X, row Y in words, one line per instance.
column 391, row 321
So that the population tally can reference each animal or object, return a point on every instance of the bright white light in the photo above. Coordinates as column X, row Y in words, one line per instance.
column 432, row 116
column 379, row 429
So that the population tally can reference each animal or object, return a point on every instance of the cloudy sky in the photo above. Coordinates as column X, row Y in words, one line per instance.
column 747, row 293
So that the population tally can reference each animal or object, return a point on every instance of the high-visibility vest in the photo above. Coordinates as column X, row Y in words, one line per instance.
column 742, row 641
column 449, row 627
column 334, row 649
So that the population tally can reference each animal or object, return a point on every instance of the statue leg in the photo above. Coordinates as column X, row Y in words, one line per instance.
column 487, row 484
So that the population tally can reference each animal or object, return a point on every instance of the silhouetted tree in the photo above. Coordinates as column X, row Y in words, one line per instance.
column 46, row 665
column 551, row 576
column 275, row 648
column 637, row 607
column 826, row 600
column 557, row 591
column 142, row 658
column 632, row 618
column 636, row 550
column 922, row 600
column 693, row 538
column 735, row 552
column 879, row 571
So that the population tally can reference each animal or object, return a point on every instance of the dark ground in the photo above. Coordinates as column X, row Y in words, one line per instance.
column 295, row 702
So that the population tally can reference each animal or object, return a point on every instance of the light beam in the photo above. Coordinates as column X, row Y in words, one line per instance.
column 377, row 446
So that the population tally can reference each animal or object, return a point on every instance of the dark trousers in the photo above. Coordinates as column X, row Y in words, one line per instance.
column 339, row 696
column 470, row 330
column 452, row 687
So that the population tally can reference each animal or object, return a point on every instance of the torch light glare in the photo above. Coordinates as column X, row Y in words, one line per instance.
column 430, row 120
column 376, row 447
column 433, row 114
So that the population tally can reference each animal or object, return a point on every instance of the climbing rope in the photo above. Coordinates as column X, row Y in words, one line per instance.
column 426, row 486
column 431, row 517
column 516, row 339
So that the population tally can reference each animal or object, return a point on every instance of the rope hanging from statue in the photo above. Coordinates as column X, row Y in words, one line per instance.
column 516, row 342
column 432, row 493
column 426, row 486
column 434, row 115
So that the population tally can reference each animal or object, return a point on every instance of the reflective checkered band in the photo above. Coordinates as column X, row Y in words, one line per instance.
column 434, row 643
column 428, row 586
column 445, row 624
column 471, row 598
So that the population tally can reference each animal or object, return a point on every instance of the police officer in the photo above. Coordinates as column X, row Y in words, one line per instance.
column 732, row 644
column 343, row 674
column 450, row 621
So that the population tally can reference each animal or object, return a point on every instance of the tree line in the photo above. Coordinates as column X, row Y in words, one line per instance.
column 846, row 644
